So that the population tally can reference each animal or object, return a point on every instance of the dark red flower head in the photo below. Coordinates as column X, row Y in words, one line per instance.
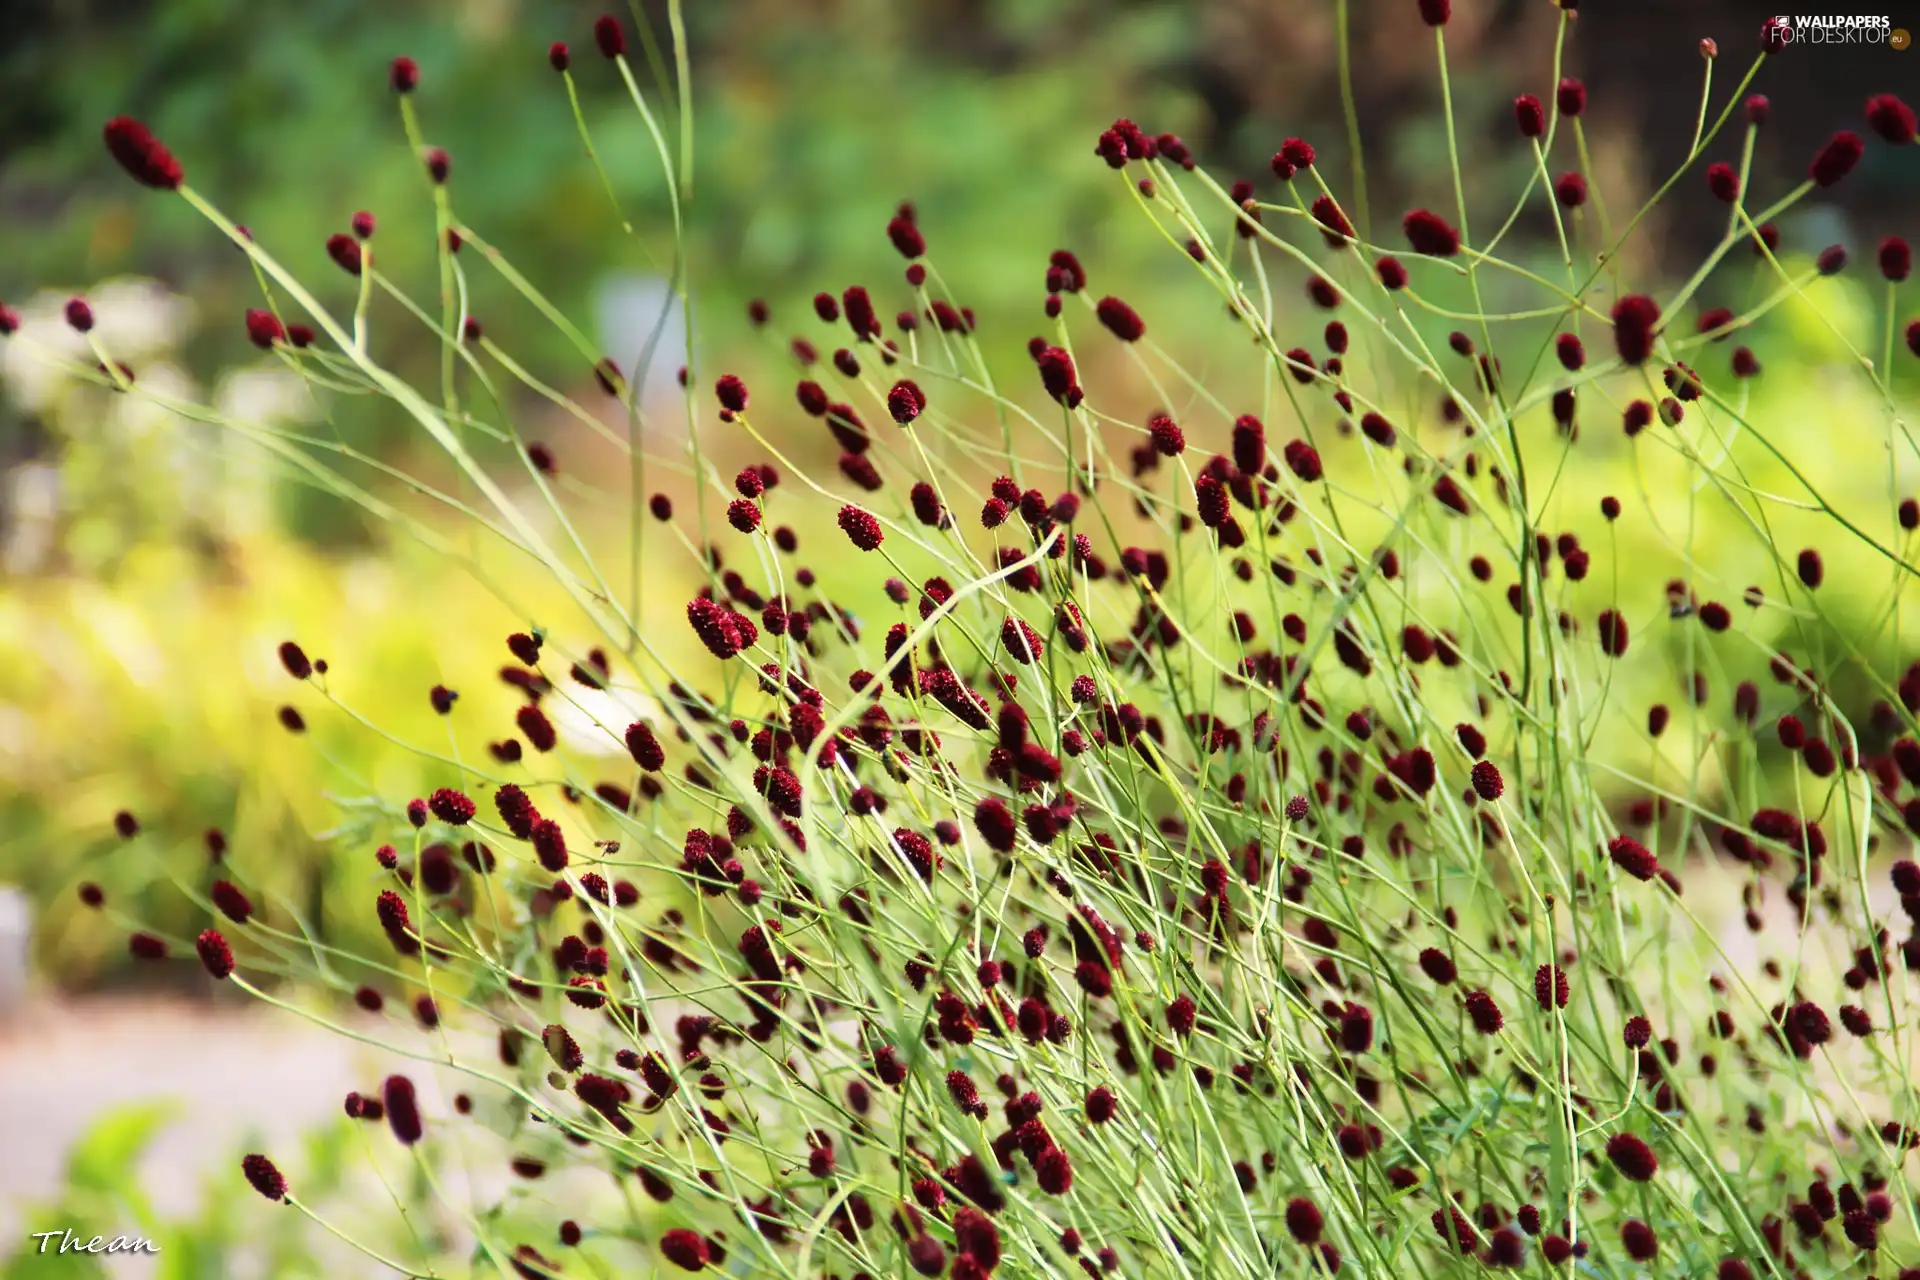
column 926, row 505
column 451, row 807
column 905, row 401
column 1758, row 109
column 1448, row 493
column 404, row 75
column 861, row 528
column 141, row 154
column 1891, row 118
column 1632, row 1157
column 403, row 1109
column 1484, row 1013
column 975, row 1236
column 1058, row 375
column 1125, row 141
column 1571, row 353
column 1896, row 259
column 687, row 1250
column 644, row 747
column 1811, row 1022
column 295, row 660
column 79, row 315
column 549, row 844
column 1249, row 444
column 345, row 252
column 559, row 57
column 1455, row 1230
column 743, row 515
column 723, row 631
column 1634, row 318
column 1439, row 966
column 1633, row 857
column 906, row 236
column 1572, row 97
column 439, row 164
column 1303, row 460
column 1436, row 12
column 1121, row 320
column 732, row 393
column 860, row 314
column 1836, row 160
column 1723, row 182
column 1332, row 220
column 534, row 723
column 1429, row 233
column 1167, row 437
column 234, row 904
column 1487, row 782
column 264, row 1177
column 1297, row 152
column 215, row 954
column 610, row 36
column 263, row 328
column 1550, row 987
column 1529, row 115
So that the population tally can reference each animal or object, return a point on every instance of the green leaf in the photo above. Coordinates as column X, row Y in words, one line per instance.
column 1558, row 1165
column 104, row 1157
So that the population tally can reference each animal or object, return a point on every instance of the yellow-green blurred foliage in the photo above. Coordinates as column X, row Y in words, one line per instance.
column 146, row 679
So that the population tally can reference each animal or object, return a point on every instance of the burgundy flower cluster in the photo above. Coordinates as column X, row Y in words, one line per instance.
column 1205, row 852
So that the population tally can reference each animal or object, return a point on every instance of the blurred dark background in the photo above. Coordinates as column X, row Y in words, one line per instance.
column 814, row 116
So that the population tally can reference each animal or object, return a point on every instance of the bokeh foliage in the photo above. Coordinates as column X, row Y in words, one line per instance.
column 141, row 677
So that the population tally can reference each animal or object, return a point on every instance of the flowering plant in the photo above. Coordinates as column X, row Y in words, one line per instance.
column 1206, row 868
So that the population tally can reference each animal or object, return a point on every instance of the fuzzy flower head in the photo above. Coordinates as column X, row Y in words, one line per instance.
column 1891, row 118
column 146, row 160
column 905, row 401
column 1634, row 319
column 862, row 530
column 1428, row 233
column 609, row 36
column 1836, row 160
column 1529, row 116
column 264, row 1176
column 1120, row 319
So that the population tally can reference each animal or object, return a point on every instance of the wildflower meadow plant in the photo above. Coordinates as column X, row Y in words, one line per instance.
column 1242, row 844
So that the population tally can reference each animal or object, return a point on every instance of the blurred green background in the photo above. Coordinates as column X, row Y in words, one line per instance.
column 150, row 566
